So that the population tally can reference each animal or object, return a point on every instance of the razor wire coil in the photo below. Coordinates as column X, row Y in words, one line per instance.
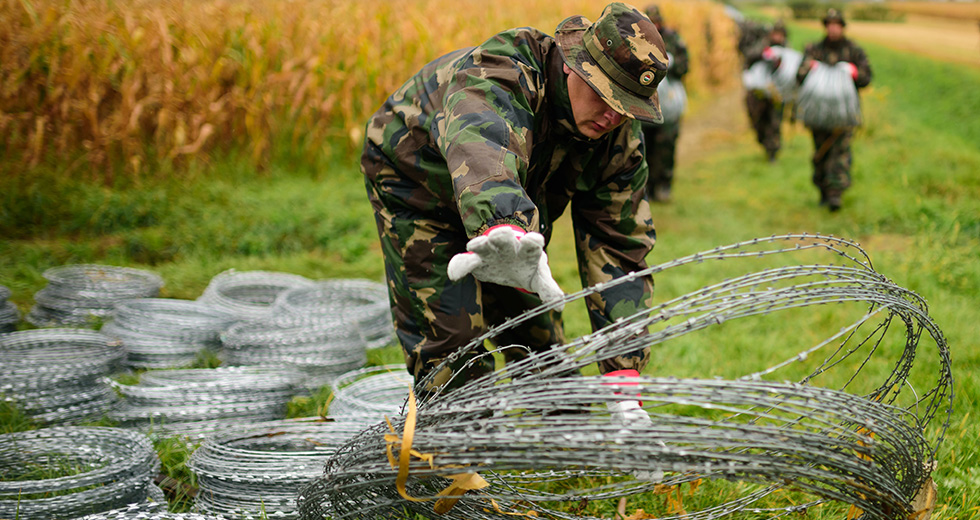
column 58, row 376
column 250, row 295
column 320, row 349
column 847, row 431
column 77, row 294
column 673, row 99
column 368, row 394
column 363, row 301
column 784, row 76
column 110, row 468
column 9, row 314
column 202, row 400
column 261, row 468
column 828, row 98
column 166, row 333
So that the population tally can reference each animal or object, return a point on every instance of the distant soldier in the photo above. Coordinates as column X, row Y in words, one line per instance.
column 766, row 108
column 832, row 146
column 469, row 164
column 661, row 139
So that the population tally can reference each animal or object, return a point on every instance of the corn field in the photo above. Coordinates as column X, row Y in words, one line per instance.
column 125, row 83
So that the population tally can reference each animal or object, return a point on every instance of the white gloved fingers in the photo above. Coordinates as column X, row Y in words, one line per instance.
column 504, row 240
column 463, row 264
column 544, row 285
column 529, row 248
column 480, row 245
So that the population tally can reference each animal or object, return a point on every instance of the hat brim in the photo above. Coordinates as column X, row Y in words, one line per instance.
column 569, row 39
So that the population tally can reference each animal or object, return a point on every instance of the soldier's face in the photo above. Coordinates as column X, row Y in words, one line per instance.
column 593, row 117
column 835, row 31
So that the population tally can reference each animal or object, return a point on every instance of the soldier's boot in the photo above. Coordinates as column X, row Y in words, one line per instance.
column 771, row 154
column 834, row 200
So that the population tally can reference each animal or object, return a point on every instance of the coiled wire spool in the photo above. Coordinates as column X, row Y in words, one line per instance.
column 78, row 294
column 850, row 430
column 784, row 77
column 139, row 514
column 201, row 400
column 673, row 99
column 364, row 301
column 322, row 350
column 262, row 467
column 166, row 333
column 828, row 98
column 249, row 295
column 113, row 468
column 9, row 314
column 58, row 376
column 368, row 394
column 757, row 79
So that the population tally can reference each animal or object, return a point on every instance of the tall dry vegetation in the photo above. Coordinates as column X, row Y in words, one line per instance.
column 133, row 81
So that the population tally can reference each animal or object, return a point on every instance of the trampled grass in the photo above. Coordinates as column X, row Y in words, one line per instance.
column 914, row 206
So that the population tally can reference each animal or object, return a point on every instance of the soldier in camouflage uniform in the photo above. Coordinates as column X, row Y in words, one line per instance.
column 469, row 164
column 832, row 147
column 661, row 139
column 766, row 108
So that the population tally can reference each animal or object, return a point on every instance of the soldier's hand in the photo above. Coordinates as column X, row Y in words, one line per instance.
column 506, row 255
column 769, row 54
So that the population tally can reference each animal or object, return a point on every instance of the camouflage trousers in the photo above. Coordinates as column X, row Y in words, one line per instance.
column 766, row 116
column 434, row 316
column 661, row 148
column 832, row 159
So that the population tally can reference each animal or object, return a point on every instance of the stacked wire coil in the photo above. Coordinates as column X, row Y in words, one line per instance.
column 244, row 472
column 137, row 514
column 58, row 376
column 196, row 401
column 828, row 98
column 363, row 301
column 250, row 295
column 81, row 294
column 369, row 394
column 107, row 468
column 320, row 349
column 9, row 314
column 166, row 333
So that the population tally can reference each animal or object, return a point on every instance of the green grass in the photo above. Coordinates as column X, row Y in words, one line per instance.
column 914, row 204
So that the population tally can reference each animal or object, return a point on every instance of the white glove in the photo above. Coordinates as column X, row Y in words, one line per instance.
column 629, row 413
column 506, row 255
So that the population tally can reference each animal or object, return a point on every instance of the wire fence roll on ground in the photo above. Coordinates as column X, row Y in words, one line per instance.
column 828, row 98
column 369, row 394
column 196, row 402
column 261, row 468
column 9, row 314
column 166, row 333
column 81, row 294
column 363, row 301
column 249, row 295
column 58, row 376
column 320, row 349
column 67, row 472
column 834, row 413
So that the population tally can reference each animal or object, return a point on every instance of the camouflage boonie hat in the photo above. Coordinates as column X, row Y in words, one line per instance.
column 834, row 15
column 653, row 12
column 621, row 56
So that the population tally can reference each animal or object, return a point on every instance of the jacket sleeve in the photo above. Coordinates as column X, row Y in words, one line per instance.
column 614, row 232
column 485, row 138
column 860, row 60
column 809, row 55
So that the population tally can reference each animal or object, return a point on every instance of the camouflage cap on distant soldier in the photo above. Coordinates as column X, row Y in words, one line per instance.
column 834, row 15
column 653, row 12
column 621, row 56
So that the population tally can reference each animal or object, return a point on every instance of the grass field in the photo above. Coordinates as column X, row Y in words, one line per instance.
column 915, row 205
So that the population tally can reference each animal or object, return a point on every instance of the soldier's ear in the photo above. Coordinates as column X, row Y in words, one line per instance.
column 564, row 67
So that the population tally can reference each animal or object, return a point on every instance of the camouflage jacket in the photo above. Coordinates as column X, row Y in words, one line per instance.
column 485, row 136
column 678, row 49
column 831, row 53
